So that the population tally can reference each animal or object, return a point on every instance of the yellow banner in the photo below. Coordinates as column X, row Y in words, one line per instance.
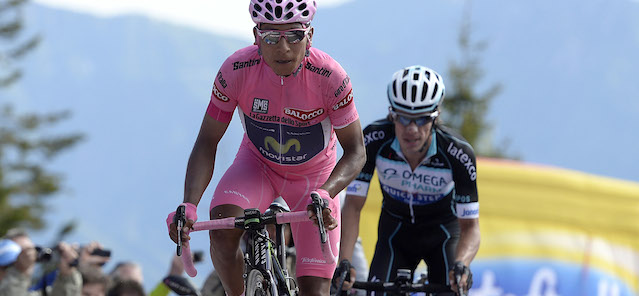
column 538, row 212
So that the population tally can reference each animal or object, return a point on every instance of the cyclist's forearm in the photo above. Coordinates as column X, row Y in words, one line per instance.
column 469, row 241
column 198, row 172
column 352, row 161
column 350, row 231
column 345, row 171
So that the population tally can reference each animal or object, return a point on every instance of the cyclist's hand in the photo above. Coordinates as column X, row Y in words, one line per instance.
column 348, row 283
column 350, row 276
column 466, row 278
column 330, row 222
column 191, row 217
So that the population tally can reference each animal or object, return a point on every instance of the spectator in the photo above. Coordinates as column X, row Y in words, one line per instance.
column 127, row 270
column 212, row 285
column 94, row 281
column 9, row 251
column 127, row 287
column 16, row 276
column 94, row 254
column 69, row 280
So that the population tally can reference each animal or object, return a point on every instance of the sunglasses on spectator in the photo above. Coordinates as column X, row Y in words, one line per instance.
column 292, row 36
column 419, row 121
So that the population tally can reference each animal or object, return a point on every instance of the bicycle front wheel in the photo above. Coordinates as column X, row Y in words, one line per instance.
column 256, row 284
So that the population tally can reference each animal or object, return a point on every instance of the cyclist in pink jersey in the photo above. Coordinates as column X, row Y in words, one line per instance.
column 295, row 102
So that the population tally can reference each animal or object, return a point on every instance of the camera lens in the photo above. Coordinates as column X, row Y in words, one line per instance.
column 43, row 254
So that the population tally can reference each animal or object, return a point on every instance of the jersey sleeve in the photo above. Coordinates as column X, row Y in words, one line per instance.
column 464, row 166
column 225, row 88
column 375, row 135
column 341, row 110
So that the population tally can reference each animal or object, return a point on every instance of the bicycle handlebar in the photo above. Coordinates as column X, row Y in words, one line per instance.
column 238, row 222
column 392, row 287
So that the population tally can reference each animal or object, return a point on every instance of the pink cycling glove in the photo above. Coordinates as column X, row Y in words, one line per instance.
column 324, row 194
column 191, row 214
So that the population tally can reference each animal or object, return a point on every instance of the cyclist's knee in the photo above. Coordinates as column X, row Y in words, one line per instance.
column 314, row 286
column 225, row 240
column 224, row 211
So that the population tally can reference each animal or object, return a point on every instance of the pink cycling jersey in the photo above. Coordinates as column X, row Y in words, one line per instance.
column 289, row 142
column 288, row 120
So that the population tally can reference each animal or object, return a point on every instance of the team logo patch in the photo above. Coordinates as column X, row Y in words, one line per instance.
column 260, row 105
column 219, row 95
column 344, row 102
column 303, row 115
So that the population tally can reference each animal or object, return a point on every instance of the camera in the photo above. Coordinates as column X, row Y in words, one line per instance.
column 198, row 256
column 43, row 254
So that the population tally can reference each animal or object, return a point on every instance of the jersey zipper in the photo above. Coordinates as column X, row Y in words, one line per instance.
column 281, row 115
column 412, row 194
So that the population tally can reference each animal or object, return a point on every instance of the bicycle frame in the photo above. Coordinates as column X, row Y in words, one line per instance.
column 265, row 255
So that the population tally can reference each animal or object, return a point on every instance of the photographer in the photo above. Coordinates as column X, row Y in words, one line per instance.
column 18, row 273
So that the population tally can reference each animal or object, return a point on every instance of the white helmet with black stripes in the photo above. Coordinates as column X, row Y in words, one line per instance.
column 416, row 90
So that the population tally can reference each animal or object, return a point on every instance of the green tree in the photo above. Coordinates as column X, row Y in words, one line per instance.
column 26, row 145
column 25, row 148
column 465, row 108
column 11, row 29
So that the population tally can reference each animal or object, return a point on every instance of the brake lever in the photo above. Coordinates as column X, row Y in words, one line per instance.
column 318, row 205
column 459, row 271
column 179, row 219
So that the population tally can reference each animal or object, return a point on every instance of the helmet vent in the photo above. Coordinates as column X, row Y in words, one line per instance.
column 257, row 7
column 289, row 15
column 269, row 7
column 404, row 84
column 254, row 14
column 405, row 73
column 414, row 93
column 394, row 90
column 302, row 6
column 278, row 1
column 278, row 11
column 268, row 16
column 427, row 75
column 434, row 91
column 425, row 90
column 416, row 76
column 305, row 13
column 289, row 6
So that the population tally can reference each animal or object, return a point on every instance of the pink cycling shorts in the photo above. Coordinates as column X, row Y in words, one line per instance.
column 250, row 183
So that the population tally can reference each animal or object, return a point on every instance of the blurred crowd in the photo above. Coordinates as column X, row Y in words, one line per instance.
column 71, row 270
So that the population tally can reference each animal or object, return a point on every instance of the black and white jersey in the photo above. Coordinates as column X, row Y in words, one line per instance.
column 441, row 188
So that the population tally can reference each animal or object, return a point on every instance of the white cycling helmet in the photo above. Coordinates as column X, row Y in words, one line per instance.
column 282, row 11
column 416, row 90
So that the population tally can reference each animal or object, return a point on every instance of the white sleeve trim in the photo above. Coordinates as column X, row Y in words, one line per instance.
column 358, row 188
column 467, row 210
